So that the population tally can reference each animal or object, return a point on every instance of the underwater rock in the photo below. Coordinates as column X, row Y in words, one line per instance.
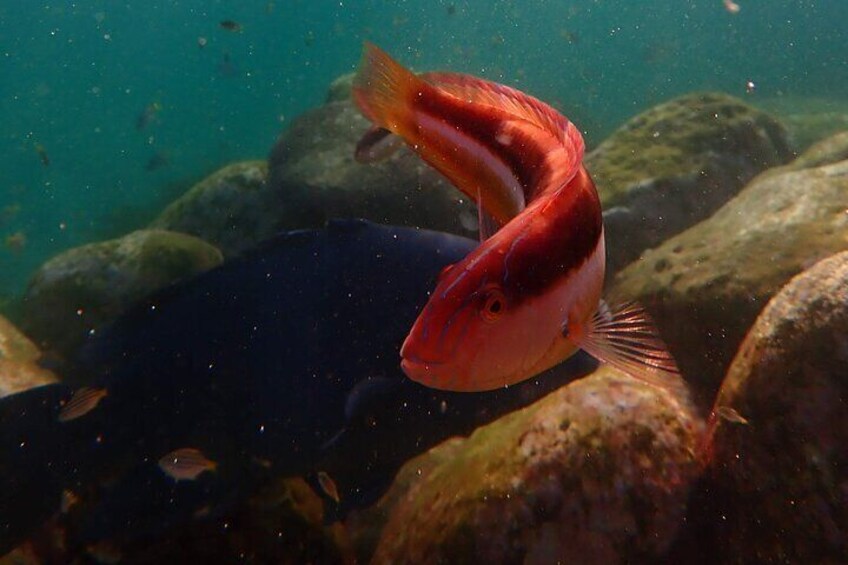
column 14, row 345
column 675, row 164
column 340, row 88
column 705, row 286
column 783, row 477
column 829, row 150
column 596, row 472
column 232, row 209
column 313, row 169
column 86, row 287
column 18, row 355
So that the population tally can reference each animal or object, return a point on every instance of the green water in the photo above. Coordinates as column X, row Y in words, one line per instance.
column 76, row 76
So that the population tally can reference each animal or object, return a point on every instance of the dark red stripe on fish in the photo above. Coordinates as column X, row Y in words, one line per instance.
column 522, row 156
column 539, row 258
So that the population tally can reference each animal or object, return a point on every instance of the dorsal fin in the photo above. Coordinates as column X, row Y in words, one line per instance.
column 510, row 100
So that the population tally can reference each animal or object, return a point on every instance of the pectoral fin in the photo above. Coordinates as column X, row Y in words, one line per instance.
column 625, row 337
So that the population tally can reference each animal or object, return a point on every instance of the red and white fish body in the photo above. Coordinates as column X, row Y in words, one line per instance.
column 528, row 297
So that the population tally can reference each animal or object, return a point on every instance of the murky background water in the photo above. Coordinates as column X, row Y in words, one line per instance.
column 78, row 76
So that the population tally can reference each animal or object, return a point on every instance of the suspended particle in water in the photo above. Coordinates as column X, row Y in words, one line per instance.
column 731, row 6
column 750, row 87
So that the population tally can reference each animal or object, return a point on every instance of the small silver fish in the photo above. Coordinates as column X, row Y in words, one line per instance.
column 186, row 464
column 328, row 485
column 730, row 415
column 81, row 403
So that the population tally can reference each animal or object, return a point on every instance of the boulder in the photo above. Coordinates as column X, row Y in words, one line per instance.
column 340, row 88
column 675, row 164
column 596, row 472
column 81, row 289
column 828, row 150
column 233, row 209
column 313, row 169
column 18, row 368
column 782, row 478
column 705, row 286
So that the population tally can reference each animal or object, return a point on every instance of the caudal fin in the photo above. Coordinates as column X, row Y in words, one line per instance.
column 383, row 89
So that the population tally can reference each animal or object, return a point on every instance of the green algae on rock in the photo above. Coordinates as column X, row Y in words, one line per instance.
column 233, row 209
column 313, row 169
column 598, row 471
column 784, row 475
column 675, row 164
column 83, row 288
column 705, row 286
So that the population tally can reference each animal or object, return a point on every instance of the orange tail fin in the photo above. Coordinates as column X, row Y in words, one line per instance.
column 384, row 89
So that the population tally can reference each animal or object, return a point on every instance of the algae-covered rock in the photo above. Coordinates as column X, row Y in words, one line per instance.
column 18, row 355
column 784, row 475
column 313, row 168
column 83, row 288
column 596, row 472
column 705, row 287
column 340, row 88
column 233, row 209
column 675, row 164
column 829, row 150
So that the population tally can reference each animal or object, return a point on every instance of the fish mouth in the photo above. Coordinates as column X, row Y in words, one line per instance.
column 417, row 368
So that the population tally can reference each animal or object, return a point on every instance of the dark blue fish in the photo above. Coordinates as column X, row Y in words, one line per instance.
column 282, row 362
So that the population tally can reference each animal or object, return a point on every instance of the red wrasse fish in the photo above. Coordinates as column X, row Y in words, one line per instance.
column 530, row 295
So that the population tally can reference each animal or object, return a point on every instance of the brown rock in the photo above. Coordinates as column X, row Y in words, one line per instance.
column 596, row 472
column 675, row 164
column 18, row 368
column 705, row 286
column 233, row 209
column 785, row 474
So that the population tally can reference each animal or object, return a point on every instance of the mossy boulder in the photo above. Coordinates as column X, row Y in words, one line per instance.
column 675, row 164
column 782, row 478
column 705, row 286
column 596, row 472
column 233, row 209
column 312, row 167
column 84, row 288
column 340, row 89
column 18, row 355
column 828, row 150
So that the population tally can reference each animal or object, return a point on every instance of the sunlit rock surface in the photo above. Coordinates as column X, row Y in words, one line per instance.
column 596, row 472
column 783, row 477
column 705, row 286
column 233, row 209
column 675, row 164
column 86, row 287
column 18, row 356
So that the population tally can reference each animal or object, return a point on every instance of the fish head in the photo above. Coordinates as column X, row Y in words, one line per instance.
column 478, row 332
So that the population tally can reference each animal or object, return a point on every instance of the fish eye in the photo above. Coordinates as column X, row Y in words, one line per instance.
column 494, row 305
